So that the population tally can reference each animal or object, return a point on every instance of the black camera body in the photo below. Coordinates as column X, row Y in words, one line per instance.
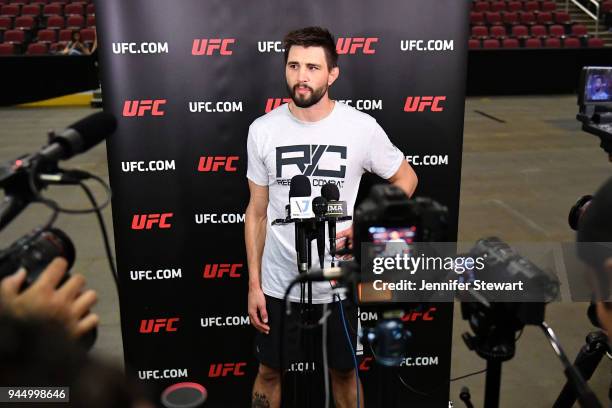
column 34, row 252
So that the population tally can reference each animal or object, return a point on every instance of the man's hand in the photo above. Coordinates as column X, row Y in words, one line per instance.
column 66, row 304
column 341, row 239
column 257, row 310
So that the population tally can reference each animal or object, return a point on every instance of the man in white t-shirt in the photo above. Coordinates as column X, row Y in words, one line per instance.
column 329, row 142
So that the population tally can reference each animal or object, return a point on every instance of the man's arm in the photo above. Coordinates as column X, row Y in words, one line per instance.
column 255, row 223
column 405, row 178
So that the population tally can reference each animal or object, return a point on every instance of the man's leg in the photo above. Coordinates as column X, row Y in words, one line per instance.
column 345, row 390
column 266, row 390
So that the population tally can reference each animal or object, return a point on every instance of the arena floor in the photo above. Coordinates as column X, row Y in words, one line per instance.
column 525, row 162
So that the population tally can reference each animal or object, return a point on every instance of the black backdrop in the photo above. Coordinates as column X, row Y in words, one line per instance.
column 177, row 165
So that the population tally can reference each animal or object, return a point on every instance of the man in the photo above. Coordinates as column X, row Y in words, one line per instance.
column 329, row 142
column 599, row 90
column 595, row 249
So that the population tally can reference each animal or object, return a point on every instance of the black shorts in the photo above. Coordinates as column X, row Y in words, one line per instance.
column 304, row 345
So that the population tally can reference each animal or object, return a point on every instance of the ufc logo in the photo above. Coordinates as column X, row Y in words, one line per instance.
column 351, row 45
column 365, row 363
column 214, row 163
column 225, row 369
column 414, row 316
column 157, row 325
column 274, row 103
column 420, row 103
column 213, row 271
column 147, row 221
column 139, row 108
column 307, row 159
column 206, row 46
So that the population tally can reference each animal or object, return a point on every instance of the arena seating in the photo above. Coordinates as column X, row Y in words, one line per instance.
column 527, row 24
column 40, row 27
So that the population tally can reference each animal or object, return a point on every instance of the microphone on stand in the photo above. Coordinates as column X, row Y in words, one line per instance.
column 319, row 207
column 300, row 209
column 331, row 193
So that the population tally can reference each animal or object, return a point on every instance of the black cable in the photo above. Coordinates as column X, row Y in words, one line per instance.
column 107, row 248
column 468, row 375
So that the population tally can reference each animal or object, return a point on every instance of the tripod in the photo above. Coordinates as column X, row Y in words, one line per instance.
column 586, row 362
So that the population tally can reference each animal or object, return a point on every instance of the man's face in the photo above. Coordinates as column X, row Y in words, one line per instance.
column 307, row 74
column 598, row 84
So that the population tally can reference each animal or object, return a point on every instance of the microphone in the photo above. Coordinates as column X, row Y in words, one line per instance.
column 319, row 207
column 331, row 193
column 300, row 188
column 79, row 137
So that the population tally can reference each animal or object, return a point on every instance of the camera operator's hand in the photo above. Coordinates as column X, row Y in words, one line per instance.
column 257, row 310
column 341, row 238
column 67, row 304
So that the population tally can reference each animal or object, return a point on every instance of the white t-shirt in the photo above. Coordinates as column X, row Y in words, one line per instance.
column 338, row 149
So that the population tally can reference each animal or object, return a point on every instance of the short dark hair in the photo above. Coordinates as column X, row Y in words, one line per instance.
column 313, row 37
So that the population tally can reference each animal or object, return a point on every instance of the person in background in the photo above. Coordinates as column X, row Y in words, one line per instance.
column 75, row 46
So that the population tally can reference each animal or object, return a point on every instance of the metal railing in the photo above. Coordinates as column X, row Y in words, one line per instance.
column 594, row 16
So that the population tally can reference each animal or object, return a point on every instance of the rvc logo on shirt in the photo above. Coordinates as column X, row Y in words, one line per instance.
column 309, row 161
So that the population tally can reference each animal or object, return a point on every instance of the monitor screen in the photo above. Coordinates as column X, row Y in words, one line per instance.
column 598, row 85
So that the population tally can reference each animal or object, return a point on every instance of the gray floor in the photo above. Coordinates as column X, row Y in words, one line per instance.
column 519, row 180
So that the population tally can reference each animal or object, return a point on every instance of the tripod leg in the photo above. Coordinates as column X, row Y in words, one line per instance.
column 492, row 384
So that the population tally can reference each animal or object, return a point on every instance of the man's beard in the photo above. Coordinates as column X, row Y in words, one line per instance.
column 302, row 101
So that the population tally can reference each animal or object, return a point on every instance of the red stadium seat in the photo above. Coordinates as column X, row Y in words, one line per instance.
column 571, row 42
column 549, row 6
column 539, row 31
column 510, row 43
column 498, row 6
column 476, row 17
column 30, row 10
column 528, row 18
column 10, row 10
column 552, row 42
column 91, row 20
column 14, row 36
column 480, row 31
column 20, row 1
column 545, row 17
column 493, row 17
column 65, row 35
column 6, row 23
column 490, row 43
column 595, row 42
column 531, row 6
column 514, row 6
column 75, row 21
column 481, row 6
column 473, row 44
column 25, row 23
column 561, row 17
column 57, row 47
column 556, row 31
column 579, row 30
column 90, row 9
column 37, row 49
column 510, row 18
column 52, row 10
column 55, row 22
column 88, row 35
column 520, row 31
column 7, row 49
column 533, row 43
column 498, row 32
column 47, row 36
column 74, row 8
column 606, row 6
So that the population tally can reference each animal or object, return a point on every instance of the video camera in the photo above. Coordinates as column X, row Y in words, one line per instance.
column 23, row 180
column 595, row 102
